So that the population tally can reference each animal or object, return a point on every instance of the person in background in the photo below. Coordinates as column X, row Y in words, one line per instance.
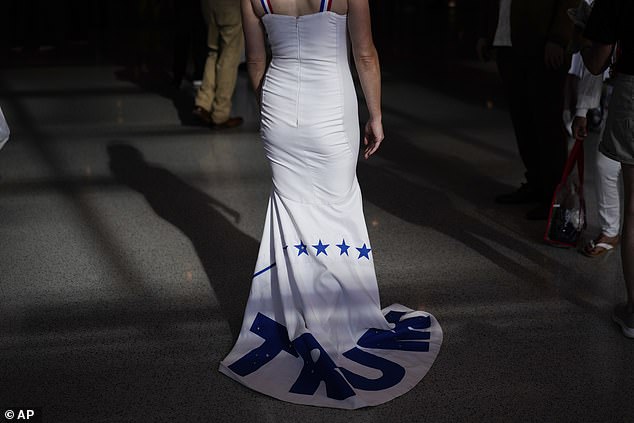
column 225, row 42
column 589, row 88
column 610, row 23
column 608, row 171
column 189, row 37
column 530, row 39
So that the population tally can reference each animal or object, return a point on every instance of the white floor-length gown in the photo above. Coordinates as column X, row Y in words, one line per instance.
column 313, row 331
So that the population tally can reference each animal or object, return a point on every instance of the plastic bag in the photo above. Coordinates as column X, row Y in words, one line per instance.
column 4, row 130
column 567, row 217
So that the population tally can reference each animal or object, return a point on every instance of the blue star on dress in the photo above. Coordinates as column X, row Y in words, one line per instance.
column 302, row 249
column 364, row 252
column 343, row 247
column 321, row 248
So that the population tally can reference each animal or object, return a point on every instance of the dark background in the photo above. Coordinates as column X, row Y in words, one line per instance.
column 407, row 32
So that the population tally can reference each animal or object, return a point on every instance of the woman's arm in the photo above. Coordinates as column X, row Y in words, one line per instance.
column 255, row 48
column 367, row 62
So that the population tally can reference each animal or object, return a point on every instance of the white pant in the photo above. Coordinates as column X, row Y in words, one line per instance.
column 609, row 195
column 4, row 130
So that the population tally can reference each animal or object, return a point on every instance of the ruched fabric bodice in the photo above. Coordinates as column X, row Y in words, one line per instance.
column 313, row 330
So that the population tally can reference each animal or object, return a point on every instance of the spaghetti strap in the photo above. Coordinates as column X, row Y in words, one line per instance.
column 325, row 5
column 266, row 5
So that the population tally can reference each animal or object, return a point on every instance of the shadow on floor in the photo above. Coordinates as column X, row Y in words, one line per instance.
column 430, row 207
column 158, row 82
column 448, row 173
column 225, row 253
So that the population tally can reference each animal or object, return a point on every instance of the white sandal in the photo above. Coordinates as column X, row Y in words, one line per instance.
column 600, row 246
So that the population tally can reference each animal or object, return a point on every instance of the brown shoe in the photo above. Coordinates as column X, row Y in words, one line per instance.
column 232, row 122
column 202, row 115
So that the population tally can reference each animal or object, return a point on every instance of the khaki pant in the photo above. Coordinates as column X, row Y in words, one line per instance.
column 225, row 41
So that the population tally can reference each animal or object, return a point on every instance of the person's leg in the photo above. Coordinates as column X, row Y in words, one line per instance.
column 199, row 44
column 549, row 145
column 608, row 207
column 181, row 41
column 206, row 93
column 627, row 247
column 513, row 73
column 623, row 314
column 608, row 195
column 231, row 45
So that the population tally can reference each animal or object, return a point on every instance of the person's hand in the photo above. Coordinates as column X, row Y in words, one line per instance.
column 580, row 127
column 373, row 137
column 553, row 55
column 483, row 49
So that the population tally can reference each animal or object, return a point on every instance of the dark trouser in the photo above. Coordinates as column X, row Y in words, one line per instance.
column 536, row 95
column 190, row 36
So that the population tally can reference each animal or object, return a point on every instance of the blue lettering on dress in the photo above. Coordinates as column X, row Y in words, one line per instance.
column 406, row 336
column 401, row 337
column 392, row 372
column 275, row 341
column 313, row 372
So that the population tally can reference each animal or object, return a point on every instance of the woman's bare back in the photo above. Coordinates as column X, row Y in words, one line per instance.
column 298, row 7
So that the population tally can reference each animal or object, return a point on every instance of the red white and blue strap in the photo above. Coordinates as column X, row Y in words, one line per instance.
column 325, row 5
column 266, row 4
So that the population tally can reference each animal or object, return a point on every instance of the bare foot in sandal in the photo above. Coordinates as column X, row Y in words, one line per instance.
column 601, row 245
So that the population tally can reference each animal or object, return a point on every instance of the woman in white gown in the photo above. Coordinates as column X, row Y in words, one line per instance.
column 313, row 331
